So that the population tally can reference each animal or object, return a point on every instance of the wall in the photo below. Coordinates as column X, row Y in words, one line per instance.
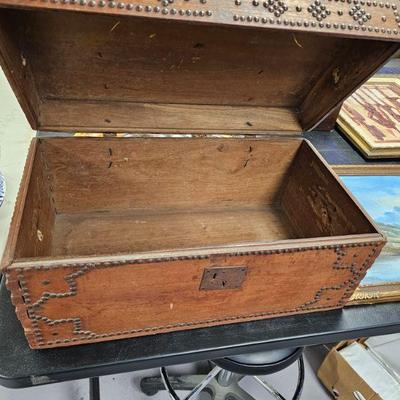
column 15, row 136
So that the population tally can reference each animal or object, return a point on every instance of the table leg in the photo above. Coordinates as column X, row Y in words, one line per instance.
column 94, row 388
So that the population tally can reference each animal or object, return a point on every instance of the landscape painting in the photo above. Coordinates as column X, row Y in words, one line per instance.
column 380, row 196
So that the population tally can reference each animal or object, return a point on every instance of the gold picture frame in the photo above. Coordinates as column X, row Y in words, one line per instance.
column 371, row 294
column 370, row 117
column 367, row 169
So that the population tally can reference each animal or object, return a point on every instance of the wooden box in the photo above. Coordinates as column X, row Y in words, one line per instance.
column 233, row 217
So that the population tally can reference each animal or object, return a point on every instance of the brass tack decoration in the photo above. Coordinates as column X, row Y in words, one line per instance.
column 318, row 9
column 82, row 335
column 276, row 7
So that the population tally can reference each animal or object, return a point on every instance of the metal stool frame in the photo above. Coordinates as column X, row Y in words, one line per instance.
column 218, row 370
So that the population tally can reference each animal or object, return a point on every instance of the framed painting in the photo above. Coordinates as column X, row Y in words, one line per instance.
column 380, row 196
column 370, row 117
column 367, row 169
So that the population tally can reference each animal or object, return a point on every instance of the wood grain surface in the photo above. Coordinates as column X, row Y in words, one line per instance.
column 140, row 231
column 91, row 174
column 313, row 189
column 133, row 300
column 111, row 238
column 126, row 236
column 93, row 72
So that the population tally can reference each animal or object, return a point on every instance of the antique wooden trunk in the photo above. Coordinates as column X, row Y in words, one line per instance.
column 215, row 210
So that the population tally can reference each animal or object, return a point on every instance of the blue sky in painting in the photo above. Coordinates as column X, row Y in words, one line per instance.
column 379, row 195
column 386, row 269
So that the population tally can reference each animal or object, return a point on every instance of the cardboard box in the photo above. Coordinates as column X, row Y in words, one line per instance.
column 350, row 371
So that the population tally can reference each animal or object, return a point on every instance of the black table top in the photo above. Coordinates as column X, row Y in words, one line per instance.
column 338, row 150
column 22, row 367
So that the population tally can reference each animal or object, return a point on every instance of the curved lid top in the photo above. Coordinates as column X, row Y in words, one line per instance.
column 351, row 18
column 212, row 66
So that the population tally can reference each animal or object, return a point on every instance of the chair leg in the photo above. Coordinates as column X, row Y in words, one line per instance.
column 205, row 387
column 270, row 389
column 195, row 391
column 224, row 387
column 227, row 378
column 300, row 379
column 152, row 385
column 299, row 386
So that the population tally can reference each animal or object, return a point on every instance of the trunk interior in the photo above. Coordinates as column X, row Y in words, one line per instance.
column 91, row 196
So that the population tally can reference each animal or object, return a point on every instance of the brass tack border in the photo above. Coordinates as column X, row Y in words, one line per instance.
column 339, row 15
column 133, row 261
column 85, row 335
column 129, row 6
